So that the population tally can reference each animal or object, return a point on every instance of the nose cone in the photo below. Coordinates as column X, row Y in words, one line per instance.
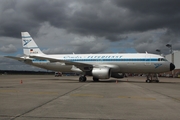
column 172, row 66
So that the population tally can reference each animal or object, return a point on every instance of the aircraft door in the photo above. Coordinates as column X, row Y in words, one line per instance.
column 147, row 59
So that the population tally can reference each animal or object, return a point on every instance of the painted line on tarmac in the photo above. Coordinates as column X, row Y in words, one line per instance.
column 136, row 98
column 55, row 98
column 44, row 93
column 87, row 95
column 9, row 91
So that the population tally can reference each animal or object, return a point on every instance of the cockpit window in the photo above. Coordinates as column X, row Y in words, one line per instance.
column 162, row 59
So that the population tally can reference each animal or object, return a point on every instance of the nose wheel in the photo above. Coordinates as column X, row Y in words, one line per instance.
column 152, row 78
column 148, row 81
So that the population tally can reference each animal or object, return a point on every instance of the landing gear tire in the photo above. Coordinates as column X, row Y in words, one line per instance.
column 82, row 79
column 157, row 81
column 150, row 78
column 95, row 79
column 148, row 81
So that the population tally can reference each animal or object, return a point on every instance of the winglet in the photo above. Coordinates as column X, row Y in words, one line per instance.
column 29, row 45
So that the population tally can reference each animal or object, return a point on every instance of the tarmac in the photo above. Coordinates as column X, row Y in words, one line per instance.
column 45, row 97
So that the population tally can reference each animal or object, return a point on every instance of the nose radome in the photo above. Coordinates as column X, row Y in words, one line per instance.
column 172, row 66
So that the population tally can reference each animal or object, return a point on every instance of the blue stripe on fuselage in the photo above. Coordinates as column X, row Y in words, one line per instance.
column 110, row 60
column 37, row 60
column 105, row 60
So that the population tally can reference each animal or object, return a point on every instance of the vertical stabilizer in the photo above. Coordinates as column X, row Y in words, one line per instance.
column 29, row 45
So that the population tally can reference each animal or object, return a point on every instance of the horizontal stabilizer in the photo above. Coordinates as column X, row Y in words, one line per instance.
column 16, row 58
column 19, row 58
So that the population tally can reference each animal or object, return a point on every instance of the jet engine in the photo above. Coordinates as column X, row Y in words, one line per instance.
column 101, row 73
column 117, row 75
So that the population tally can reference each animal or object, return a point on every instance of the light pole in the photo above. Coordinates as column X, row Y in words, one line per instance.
column 157, row 50
column 169, row 46
column 172, row 56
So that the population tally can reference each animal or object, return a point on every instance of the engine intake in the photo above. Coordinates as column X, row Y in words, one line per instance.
column 101, row 73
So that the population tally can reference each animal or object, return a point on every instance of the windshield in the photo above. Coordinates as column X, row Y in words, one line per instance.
column 162, row 59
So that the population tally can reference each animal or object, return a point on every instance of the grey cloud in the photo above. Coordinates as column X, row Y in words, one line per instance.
column 89, row 44
column 14, row 19
column 151, row 7
column 91, row 48
column 79, row 47
column 102, row 18
column 59, row 50
column 157, row 39
column 112, row 20
column 8, row 49
column 153, row 14
column 10, row 64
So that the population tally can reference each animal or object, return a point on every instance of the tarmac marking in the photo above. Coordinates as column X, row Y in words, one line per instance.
column 8, row 91
column 40, row 105
column 44, row 93
column 87, row 95
column 136, row 97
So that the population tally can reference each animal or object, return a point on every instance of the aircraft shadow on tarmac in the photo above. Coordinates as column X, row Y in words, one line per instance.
column 151, row 82
column 130, row 81
column 69, row 80
column 60, row 80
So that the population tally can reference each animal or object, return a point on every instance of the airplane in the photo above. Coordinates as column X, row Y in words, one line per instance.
column 99, row 66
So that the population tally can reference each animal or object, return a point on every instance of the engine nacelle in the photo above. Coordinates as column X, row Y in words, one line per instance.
column 117, row 75
column 101, row 73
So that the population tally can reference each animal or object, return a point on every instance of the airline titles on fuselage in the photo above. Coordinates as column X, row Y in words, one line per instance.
column 93, row 57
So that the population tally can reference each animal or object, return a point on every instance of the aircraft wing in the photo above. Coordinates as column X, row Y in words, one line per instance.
column 81, row 66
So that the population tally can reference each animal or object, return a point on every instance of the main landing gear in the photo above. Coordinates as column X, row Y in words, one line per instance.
column 150, row 78
column 95, row 79
column 82, row 78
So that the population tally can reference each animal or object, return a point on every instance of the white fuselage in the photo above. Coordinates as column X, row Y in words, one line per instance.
column 122, row 63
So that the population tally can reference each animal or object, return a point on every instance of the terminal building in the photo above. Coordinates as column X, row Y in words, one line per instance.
column 175, row 59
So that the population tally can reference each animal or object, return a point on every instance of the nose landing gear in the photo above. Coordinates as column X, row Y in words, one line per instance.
column 152, row 78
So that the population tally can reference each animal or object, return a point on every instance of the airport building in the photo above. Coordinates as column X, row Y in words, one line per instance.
column 175, row 58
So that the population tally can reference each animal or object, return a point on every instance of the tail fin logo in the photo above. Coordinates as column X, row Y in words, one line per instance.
column 26, row 42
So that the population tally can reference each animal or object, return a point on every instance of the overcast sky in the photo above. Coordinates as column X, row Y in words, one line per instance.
column 88, row 26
